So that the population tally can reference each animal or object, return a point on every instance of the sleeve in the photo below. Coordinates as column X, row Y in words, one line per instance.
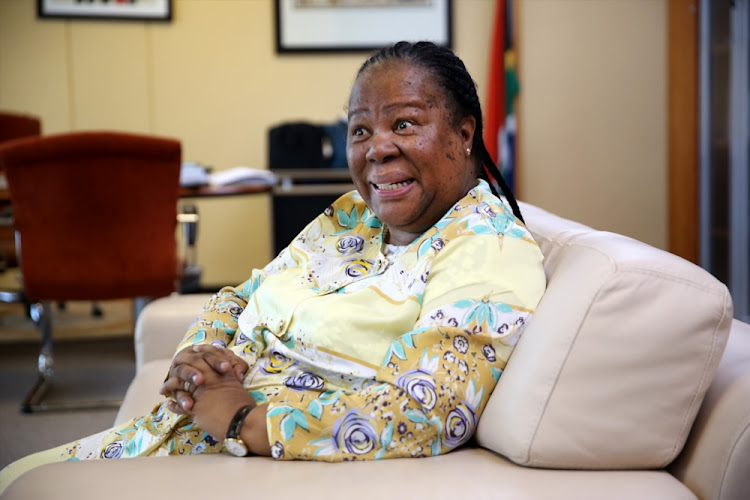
column 435, row 380
column 217, row 322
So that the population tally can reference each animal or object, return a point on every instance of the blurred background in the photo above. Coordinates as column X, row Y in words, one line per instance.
column 592, row 123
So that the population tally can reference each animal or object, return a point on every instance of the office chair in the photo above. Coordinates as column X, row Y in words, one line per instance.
column 13, row 126
column 95, row 216
column 17, row 125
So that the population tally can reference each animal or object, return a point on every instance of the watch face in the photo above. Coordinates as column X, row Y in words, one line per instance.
column 235, row 447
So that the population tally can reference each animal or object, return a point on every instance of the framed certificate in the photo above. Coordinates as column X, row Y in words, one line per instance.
column 359, row 25
column 156, row 10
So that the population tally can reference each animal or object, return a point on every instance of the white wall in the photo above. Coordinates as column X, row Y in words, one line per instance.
column 593, row 124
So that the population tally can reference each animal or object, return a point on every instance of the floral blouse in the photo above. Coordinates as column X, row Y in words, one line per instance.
column 363, row 350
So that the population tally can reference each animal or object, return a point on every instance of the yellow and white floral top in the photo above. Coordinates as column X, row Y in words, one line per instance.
column 363, row 350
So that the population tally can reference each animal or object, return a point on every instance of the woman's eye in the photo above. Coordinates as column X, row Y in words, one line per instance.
column 403, row 124
column 358, row 132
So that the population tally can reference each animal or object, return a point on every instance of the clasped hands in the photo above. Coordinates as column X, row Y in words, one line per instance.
column 205, row 381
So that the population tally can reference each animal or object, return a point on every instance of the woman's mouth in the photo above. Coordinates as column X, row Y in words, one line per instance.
column 393, row 185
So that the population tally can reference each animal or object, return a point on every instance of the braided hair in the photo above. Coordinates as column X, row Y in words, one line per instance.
column 461, row 90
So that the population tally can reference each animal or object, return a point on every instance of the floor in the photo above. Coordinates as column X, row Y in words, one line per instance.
column 94, row 360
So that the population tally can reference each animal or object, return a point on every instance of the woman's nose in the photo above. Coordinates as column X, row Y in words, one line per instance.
column 382, row 148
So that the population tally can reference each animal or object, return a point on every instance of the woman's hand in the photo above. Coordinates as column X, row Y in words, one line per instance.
column 217, row 401
column 190, row 368
column 206, row 382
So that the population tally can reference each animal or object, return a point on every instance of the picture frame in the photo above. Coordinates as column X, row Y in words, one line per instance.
column 135, row 10
column 307, row 26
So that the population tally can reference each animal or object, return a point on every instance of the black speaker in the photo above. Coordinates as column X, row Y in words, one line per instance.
column 296, row 145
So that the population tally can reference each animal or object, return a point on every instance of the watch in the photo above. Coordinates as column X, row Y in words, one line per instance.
column 232, row 442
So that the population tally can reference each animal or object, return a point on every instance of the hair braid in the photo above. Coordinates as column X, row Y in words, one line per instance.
column 461, row 91
column 495, row 173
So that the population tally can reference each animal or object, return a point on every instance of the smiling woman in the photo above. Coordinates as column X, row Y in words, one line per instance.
column 407, row 156
column 383, row 327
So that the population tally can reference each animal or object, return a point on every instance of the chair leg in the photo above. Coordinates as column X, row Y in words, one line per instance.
column 190, row 273
column 41, row 313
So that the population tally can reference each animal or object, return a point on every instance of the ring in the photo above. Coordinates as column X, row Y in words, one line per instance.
column 186, row 387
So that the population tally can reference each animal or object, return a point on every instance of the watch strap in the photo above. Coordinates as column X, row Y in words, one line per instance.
column 235, row 426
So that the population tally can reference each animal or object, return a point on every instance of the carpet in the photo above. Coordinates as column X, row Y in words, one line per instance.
column 73, row 322
column 85, row 370
column 94, row 360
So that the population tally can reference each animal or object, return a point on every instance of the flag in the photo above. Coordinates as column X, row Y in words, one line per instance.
column 502, row 89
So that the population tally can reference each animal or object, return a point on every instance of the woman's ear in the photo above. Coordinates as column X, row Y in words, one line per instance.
column 467, row 128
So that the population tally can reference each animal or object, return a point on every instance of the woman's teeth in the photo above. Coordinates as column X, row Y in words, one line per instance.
column 395, row 185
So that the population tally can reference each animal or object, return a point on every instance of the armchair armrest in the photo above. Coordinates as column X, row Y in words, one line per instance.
column 162, row 324
column 715, row 462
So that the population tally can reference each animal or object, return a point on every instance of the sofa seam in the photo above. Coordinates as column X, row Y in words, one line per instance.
column 636, row 269
column 676, row 448
column 722, row 482
column 675, row 279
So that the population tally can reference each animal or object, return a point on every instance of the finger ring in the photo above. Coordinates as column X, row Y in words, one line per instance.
column 186, row 387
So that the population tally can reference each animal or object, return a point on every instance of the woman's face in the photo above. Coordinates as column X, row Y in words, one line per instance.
column 406, row 155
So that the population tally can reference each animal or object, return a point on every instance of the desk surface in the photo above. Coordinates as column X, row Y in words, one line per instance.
column 209, row 191
column 285, row 175
column 317, row 174
column 197, row 192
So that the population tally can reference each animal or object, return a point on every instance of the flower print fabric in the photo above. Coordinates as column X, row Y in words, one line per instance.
column 455, row 301
column 359, row 355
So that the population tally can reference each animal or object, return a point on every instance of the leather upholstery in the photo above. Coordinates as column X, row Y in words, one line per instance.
column 613, row 367
column 716, row 460
column 471, row 473
column 171, row 321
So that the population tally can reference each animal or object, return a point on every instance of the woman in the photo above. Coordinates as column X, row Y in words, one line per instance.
column 384, row 326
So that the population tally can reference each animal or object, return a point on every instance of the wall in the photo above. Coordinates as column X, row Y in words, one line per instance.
column 593, row 78
column 593, row 120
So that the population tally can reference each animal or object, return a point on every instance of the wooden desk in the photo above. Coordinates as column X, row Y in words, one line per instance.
column 197, row 192
column 213, row 191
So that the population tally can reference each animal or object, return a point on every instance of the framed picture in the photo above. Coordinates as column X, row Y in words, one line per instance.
column 359, row 25
column 155, row 10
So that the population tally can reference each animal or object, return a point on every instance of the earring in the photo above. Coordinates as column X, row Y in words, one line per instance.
column 468, row 151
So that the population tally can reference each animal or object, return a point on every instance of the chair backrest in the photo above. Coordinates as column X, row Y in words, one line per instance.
column 15, row 126
column 95, row 213
column 617, row 358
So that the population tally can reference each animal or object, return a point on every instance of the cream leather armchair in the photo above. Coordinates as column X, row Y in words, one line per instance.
column 631, row 381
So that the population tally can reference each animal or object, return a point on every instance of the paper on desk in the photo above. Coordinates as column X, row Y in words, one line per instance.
column 243, row 176
column 193, row 174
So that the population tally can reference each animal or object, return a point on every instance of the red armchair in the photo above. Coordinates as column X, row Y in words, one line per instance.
column 16, row 125
column 13, row 126
column 95, row 214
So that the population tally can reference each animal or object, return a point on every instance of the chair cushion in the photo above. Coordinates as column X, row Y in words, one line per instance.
column 469, row 472
column 143, row 393
column 162, row 325
column 613, row 367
